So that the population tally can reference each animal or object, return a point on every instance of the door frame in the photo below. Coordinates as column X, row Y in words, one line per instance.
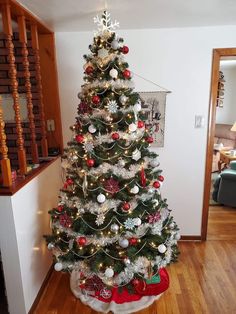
column 217, row 54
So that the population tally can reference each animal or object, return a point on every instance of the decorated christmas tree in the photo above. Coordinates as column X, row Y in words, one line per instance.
column 112, row 230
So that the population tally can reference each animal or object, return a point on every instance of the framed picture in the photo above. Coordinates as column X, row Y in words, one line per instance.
column 154, row 104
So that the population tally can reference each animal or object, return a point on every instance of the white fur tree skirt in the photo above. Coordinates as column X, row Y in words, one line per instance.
column 100, row 306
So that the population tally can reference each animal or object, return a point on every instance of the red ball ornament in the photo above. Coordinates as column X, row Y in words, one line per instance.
column 126, row 73
column 81, row 241
column 161, row 178
column 149, row 139
column 96, row 99
column 126, row 206
column 156, row 184
column 115, row 136
column 89, row 70
column 90, row 162
column 79, row 138
column 133, row 241
column 140, row 124
column 60, row 208
column 69, row 181
column 125, row 50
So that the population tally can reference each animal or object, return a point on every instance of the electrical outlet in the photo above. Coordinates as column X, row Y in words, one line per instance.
column 51, row 125
column 199, row 122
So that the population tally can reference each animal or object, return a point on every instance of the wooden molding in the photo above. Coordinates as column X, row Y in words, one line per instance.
column 191, row 238
column 217, row 54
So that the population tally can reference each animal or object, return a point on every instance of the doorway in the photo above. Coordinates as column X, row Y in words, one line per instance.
column 215, row 102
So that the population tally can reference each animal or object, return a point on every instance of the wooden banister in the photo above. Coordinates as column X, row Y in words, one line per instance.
column 35, row 46
column 7, row 29
column 23, row 40
column 4, row 162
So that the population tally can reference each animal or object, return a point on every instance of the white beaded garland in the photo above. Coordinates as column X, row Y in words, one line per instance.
column 161, row 248
column 109, row 272
column 58, row 266
column 101, row 198
column 113, row 73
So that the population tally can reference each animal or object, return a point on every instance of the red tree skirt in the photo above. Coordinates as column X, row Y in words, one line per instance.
column 103, row 300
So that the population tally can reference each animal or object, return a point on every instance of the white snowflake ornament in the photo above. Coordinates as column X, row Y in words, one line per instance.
column 103, row 53
column 105, row 23
column 129, row 224
column 88, row 147
column 100, row 219
column 112, row 106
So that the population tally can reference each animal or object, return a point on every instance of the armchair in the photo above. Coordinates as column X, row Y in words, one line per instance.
column 225, row 186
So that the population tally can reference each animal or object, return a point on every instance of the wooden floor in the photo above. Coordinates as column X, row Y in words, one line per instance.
column 203, row 281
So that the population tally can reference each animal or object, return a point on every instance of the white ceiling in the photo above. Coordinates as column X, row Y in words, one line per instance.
column 77, row 15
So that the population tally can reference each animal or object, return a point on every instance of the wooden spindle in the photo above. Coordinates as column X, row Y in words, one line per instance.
column 35, row 46
column 4, row 162
column 23, row 40
column 7, row 29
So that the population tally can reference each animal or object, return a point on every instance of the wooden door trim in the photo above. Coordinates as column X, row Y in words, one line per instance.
column 217, row 54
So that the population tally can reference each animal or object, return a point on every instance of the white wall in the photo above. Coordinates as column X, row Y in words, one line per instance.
column 180, row 60
column 227, row 114
column 23, row 221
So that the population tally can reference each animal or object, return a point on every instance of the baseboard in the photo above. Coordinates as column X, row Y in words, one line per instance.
column 41, row 290
column 191, row 238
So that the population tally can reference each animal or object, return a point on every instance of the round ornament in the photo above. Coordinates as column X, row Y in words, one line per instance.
column 58, row 266
column 177, row 236
column 140, row 124
column 89, row 70
column 81, row 241
column 172, row 225
column 156, row 184
column 125, row 50
column 50, row 246
column 149, row 139
column 60, row 208
column 126, row 206
column 92, row 129
column 161, row 178
column 96, row 99
column 154, row 163
column 115, row 44
column 124, row 243
column 161, row 248
column 127, row 261
column 126, row 73
column 101, row 198
column 137, row 107
column 123, row 99
column 137, row 221
column 135, row 190
column 114, row 227
column 79, row 138
column 113, row 73
column 133, row 241
column 109, row 272
column 132, row 127
column 115, row 136
column 90, row 162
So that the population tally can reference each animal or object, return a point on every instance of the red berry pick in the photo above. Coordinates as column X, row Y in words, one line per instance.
column 161, row 178
column 133, row 241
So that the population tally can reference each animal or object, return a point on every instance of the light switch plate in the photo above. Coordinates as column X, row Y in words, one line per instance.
column 199, row 122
